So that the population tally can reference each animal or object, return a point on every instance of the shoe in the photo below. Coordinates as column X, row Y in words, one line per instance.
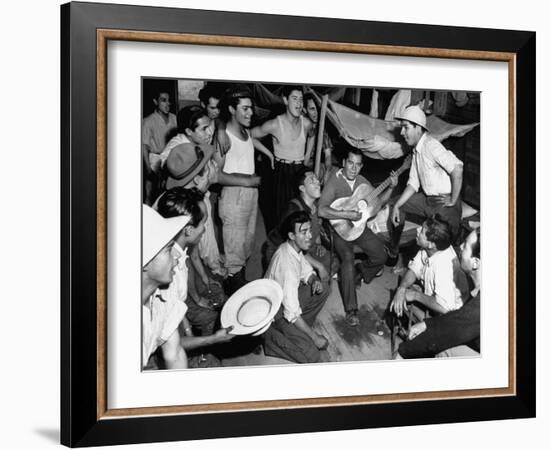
column 351, row 319
column 376, row 275
column 393, row 257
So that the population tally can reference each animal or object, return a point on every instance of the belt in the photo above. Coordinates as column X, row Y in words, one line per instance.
column 439, row 195
column 287, row 161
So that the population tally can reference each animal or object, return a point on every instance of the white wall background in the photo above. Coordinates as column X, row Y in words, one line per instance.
column 29, row 390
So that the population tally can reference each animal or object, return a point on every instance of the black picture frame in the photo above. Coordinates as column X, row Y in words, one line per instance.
column 83, row 422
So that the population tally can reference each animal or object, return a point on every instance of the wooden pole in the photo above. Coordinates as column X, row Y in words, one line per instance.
column 320, row 134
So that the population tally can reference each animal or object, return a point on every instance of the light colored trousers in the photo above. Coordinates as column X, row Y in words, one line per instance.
column 208, row 246
column 238, row 209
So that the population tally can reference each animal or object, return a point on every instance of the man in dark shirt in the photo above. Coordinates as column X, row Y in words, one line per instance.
column 318, row 255
column 343, row 183
column 449, row 334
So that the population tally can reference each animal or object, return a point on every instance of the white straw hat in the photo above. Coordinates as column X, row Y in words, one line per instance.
column 157, row 232
column 415, row 115
column 251, row 309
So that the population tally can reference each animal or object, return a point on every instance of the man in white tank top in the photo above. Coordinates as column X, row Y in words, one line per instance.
column 238, row 205
column 291, row 145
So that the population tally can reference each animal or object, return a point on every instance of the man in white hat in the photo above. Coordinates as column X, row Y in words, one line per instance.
column 435, row 178
column 160, row 318
column 291, row 336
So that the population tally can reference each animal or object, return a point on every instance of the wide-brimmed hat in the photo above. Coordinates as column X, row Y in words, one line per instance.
column 415, row 115
column 251, row 309
column 157, row 232
column 189, row 159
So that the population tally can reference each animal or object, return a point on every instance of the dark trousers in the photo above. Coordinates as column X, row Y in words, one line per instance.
column 285, row 340
column 376, row 257
column 284, row 178
column 421, row 206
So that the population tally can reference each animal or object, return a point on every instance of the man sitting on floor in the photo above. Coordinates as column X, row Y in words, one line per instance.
column 178, row 202
column 291, row 336
column 437, row 267
column 455, row 333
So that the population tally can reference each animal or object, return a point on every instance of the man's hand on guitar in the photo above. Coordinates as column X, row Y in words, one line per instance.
column 394, row 179
column 395, row 216
column 353, row 215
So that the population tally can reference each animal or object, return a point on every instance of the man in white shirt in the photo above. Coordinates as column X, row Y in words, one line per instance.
column 161, row 317
column 437, row 267
column 238, row 205
column 156, row 129
column 435, row 179
column 291, row 335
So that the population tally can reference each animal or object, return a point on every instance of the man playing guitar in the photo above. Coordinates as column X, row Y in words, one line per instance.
column 344, row 183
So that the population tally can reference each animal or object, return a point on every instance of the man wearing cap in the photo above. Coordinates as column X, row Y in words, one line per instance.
column 291, row 336
column 435, row 178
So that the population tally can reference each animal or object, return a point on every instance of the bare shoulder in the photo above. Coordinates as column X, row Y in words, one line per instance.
column 308, row 124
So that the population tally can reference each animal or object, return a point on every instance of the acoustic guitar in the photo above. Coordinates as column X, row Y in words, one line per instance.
column 366, row 200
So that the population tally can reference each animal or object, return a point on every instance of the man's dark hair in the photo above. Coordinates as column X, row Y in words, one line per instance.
column 355, row 151
column 179, row 201
column 159, row 91
column 309, row 96
column 232, row 97
column 188, row 117
column 301, row 176
column 290, row 221
column 476, row 248
column 438, row 231
column 209, row 91
column 288, row 88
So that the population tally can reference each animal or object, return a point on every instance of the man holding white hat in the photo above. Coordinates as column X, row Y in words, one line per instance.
column 160, row 318
column 435, row 178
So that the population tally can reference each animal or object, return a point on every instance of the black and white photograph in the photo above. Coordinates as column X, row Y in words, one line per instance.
column 298, row 223
column 297, row 196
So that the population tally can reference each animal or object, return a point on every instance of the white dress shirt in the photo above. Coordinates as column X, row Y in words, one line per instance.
column 289, row 268
column 431, row 167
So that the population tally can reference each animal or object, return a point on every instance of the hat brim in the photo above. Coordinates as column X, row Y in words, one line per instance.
column 411, row 121
column 251, row 309
column 207, row 152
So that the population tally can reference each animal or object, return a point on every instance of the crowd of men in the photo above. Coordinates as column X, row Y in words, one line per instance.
column 201, row 198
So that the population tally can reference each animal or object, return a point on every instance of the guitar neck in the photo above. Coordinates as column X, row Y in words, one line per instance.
column 384, row 185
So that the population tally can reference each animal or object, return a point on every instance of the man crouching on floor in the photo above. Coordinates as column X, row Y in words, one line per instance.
column 291, row 336
column 437, row 267
column 161, row 318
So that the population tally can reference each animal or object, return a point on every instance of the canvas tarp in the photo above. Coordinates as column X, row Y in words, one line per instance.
column 378, row 138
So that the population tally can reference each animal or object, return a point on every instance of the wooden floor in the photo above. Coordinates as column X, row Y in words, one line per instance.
column 370, row 340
